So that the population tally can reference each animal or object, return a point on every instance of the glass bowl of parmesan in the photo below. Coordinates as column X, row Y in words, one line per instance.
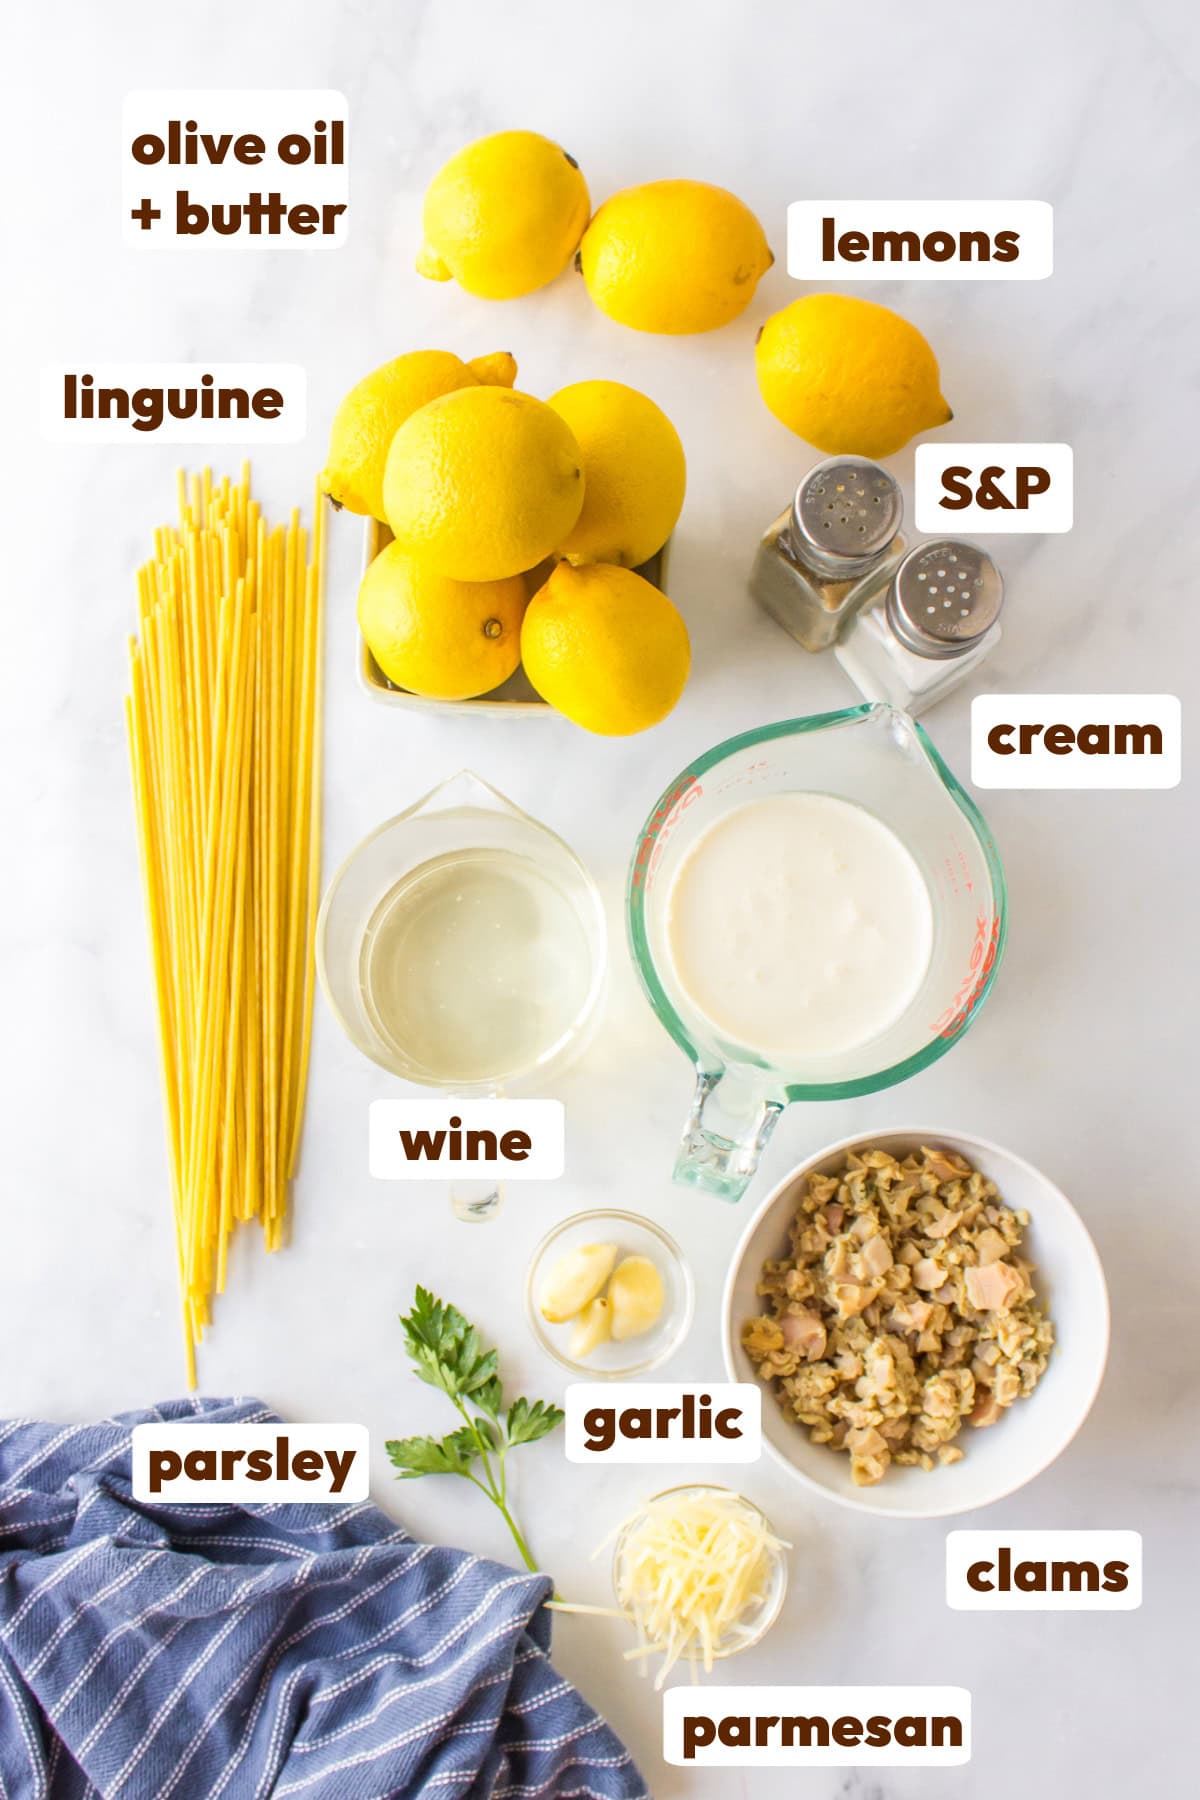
column 701, row 1575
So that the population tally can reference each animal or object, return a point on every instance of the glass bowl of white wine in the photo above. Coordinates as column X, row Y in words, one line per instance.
column 462, row 947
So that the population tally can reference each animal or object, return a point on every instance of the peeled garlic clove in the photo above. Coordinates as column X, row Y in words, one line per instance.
column 593, row 1327
column 636, row 1294
column 575, row 1279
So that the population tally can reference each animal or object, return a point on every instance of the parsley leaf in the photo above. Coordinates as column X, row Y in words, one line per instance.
column 527, row 1422
column 451, row 1455
column 446, row 1351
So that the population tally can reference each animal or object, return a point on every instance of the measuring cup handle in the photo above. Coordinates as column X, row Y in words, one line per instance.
column 723, row 1139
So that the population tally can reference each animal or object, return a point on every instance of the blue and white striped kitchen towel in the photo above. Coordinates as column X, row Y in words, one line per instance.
column 151, row 1651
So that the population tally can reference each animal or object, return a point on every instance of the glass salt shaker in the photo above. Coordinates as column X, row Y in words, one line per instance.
column 937, row 622
column 832, row 551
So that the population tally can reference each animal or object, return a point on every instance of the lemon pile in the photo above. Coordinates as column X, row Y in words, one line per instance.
column 374, row 410
column 503, row 216
column 635, row 473
column 517, row 525
column 674, row 257
column 849, row 375
column 482, row 483
column 507, row 213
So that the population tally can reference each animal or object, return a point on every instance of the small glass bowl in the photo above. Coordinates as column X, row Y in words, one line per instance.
column 633, row 1236
column 749, row 1631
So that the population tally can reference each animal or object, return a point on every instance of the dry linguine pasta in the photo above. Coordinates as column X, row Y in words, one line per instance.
column 224, row 718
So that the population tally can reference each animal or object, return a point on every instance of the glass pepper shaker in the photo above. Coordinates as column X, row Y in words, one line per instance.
column 832, row 551
column 937, row 622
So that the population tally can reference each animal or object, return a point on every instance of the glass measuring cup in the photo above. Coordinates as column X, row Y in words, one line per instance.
column 427, row 856
column 878, row 758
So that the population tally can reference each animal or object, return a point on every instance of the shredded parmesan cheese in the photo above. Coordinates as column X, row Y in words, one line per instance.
column 696, row 1569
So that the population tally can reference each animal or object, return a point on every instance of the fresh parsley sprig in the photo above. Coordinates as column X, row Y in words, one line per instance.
column 446, row 1352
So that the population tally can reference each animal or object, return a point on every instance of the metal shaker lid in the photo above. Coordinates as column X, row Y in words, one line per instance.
column 943, row 598
column 846, row 512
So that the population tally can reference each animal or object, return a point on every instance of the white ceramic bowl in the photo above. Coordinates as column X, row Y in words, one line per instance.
column 997, row 1461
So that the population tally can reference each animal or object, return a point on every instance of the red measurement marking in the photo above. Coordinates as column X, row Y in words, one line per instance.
column 661, row 823
column 983, row 958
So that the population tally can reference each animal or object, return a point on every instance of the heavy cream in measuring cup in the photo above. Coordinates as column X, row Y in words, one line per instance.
column 800, row 926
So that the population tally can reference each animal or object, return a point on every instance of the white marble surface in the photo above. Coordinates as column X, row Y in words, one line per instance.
column 1084, row 1060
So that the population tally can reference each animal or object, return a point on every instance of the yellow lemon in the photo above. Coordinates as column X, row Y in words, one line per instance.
column 375, row 408
column 537, row 576
column 447, row 639
column 503, row 216
column 606, row 648
column 848, row 375
column 673, row 256
column 634, row 473
column 482, row 483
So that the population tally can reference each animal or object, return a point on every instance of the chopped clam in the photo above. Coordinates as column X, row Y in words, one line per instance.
column 904, row 1311
column 992, row 1287
column 990, row 1247
column 987, row 1409
column 876, row 1256
column 804, row 1332
column 928, row 1274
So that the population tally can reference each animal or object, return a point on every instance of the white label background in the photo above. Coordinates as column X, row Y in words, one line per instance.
column 1049, row 512
column 1032, row 219
column 965, row 1548
column 829, row 1703
column 288, row 379
column 543, row 1122
column 583, row 1396
column 1042, row 768
column 267, row 113
column 187, row 1438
